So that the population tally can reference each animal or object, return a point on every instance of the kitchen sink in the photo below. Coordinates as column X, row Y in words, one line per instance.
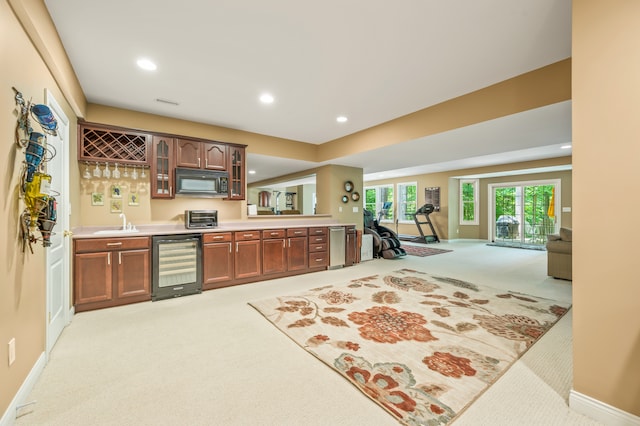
column 116, row 231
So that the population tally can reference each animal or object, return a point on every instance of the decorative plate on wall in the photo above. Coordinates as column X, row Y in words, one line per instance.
column 348, row 186
column 345, row 199
column 355, row 196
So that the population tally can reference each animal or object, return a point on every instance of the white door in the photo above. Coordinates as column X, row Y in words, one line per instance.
column 58, row 254
column 523, row 212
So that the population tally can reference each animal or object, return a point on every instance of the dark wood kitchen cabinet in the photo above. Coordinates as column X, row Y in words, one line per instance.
column 101, row 143
column 297, row 249
column 201, row 155
column 284, row 250
column 162, row 167
column 111, row 272
column 351, row 248
column 217, row 268
column 318, row 248
column 236, row 167
column 274, row 251
column 247, row 256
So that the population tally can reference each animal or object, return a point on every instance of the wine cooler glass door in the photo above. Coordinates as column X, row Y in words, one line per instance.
column 177, row 266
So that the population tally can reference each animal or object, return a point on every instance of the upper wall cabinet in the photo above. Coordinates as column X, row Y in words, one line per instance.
column 236, row 168
column 163, row 153
column 112, row 144
column 201, row 155
column 162, row 167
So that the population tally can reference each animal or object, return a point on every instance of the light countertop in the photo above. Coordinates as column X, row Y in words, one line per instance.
column 146, row 230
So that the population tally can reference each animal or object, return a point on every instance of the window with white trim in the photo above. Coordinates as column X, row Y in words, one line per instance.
column 379, row 199
column 407, row 201
column 469, row 202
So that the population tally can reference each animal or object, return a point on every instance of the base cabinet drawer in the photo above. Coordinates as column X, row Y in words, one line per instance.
column 318, row 248
column 318, row 260
column 313, row 248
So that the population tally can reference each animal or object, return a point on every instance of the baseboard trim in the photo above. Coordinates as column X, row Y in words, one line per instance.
column 9, row 416
column 597, row 410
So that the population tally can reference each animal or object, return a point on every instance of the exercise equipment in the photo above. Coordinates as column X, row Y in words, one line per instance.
column 424, row 212
column 385, row 242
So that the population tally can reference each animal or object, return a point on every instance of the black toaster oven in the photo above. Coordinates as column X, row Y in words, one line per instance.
column 200, row 219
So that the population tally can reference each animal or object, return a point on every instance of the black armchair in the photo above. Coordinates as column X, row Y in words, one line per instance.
column 385, row 241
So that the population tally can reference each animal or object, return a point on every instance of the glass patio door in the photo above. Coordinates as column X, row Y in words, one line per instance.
column 524, row 214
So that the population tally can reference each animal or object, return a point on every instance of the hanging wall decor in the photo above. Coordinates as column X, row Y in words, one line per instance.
column 40, row 214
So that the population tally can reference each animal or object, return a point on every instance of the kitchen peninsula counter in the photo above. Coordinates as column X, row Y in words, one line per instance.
column 113, row 267
column 255, row 223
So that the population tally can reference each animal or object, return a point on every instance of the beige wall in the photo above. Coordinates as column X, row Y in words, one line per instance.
column 22, row 289
column 445, row 221
column 330, row 189
column 257, row 144
column 606, row 151
column 172, row 211
column 604, row 72
column 157, row 211
column 545, row 86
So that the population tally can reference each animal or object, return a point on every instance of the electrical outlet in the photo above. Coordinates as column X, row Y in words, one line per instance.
column 340, row 209
column 12, row 351
column 355, row 210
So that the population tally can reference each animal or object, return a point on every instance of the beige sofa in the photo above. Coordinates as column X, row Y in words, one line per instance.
column 559, row 254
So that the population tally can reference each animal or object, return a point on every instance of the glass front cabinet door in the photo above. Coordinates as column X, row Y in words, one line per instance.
column 236, row 172
column 162, row 167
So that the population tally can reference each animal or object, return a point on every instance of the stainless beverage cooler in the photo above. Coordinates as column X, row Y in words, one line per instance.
column 336, row 247
column 177, row 266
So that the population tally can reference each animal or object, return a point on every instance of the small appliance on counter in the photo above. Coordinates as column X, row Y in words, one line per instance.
column 200, row 219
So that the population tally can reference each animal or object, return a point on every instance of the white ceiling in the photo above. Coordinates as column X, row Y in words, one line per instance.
column 370, row 60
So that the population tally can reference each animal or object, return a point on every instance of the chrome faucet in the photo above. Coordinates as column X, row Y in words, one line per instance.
column 124, row 221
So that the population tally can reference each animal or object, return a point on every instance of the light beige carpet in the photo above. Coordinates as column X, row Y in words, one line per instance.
column 211, row 359
column 421, row 346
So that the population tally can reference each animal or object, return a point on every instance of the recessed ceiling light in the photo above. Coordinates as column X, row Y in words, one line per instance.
column 342, row 119
column 146, row 64
column 252, row 172
column 565, row 147
column 266, row 98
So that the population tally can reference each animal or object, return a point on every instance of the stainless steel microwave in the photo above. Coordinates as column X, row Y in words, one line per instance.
column 202, row 183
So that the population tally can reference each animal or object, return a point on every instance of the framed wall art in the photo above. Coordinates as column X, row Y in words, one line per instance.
column 116, row 206
column 97, row 199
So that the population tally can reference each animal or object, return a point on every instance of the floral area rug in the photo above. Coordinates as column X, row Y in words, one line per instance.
column 421, row 346
column 423, row 251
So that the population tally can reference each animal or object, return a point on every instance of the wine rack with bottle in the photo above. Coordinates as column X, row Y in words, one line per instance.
column 40, row 213
column 112, row 144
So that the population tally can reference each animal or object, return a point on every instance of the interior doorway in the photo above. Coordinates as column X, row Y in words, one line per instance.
column 57, row 256
column 524, row 213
